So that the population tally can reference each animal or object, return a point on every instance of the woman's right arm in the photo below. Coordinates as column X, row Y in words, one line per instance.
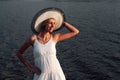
column 20, row 52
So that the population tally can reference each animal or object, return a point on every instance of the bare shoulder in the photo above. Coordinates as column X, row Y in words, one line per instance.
column 27, row 43
column 56, row 34
column 31, row 39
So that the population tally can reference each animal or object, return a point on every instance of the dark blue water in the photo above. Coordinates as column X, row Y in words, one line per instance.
column 94, row 54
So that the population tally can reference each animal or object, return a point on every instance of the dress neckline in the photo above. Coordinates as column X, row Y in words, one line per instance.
column 44, row 43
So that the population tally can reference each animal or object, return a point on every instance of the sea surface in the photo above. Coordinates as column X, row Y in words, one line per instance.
column 94, row 54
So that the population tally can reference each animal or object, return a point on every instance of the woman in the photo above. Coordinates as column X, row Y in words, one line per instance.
column 46, row 66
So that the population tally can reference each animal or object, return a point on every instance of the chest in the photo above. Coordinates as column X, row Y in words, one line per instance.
column 44, row 49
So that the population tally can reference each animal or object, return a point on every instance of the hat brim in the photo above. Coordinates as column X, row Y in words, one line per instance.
column 47, row 13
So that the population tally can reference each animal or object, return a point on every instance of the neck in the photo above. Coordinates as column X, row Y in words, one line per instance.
column 44, row 35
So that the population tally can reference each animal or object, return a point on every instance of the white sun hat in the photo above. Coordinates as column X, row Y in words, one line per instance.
column 47, row 13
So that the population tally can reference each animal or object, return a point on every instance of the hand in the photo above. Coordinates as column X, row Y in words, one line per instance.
column 64, row 23
column 36, row 70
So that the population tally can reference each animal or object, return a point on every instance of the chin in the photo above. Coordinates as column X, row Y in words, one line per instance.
column 51, row 31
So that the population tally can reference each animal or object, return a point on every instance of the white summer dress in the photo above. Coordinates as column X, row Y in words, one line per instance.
column 45, row 59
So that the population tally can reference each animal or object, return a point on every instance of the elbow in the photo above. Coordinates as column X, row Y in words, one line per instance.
column 76, row 32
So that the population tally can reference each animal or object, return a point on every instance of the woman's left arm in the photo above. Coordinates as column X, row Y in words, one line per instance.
column 72, row 32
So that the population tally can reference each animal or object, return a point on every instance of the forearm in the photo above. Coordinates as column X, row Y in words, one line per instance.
column 29, row 66
column 70, row 27
column 24, row 61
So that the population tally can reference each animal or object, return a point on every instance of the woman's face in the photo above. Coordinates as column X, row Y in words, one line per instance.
column 51, row 24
